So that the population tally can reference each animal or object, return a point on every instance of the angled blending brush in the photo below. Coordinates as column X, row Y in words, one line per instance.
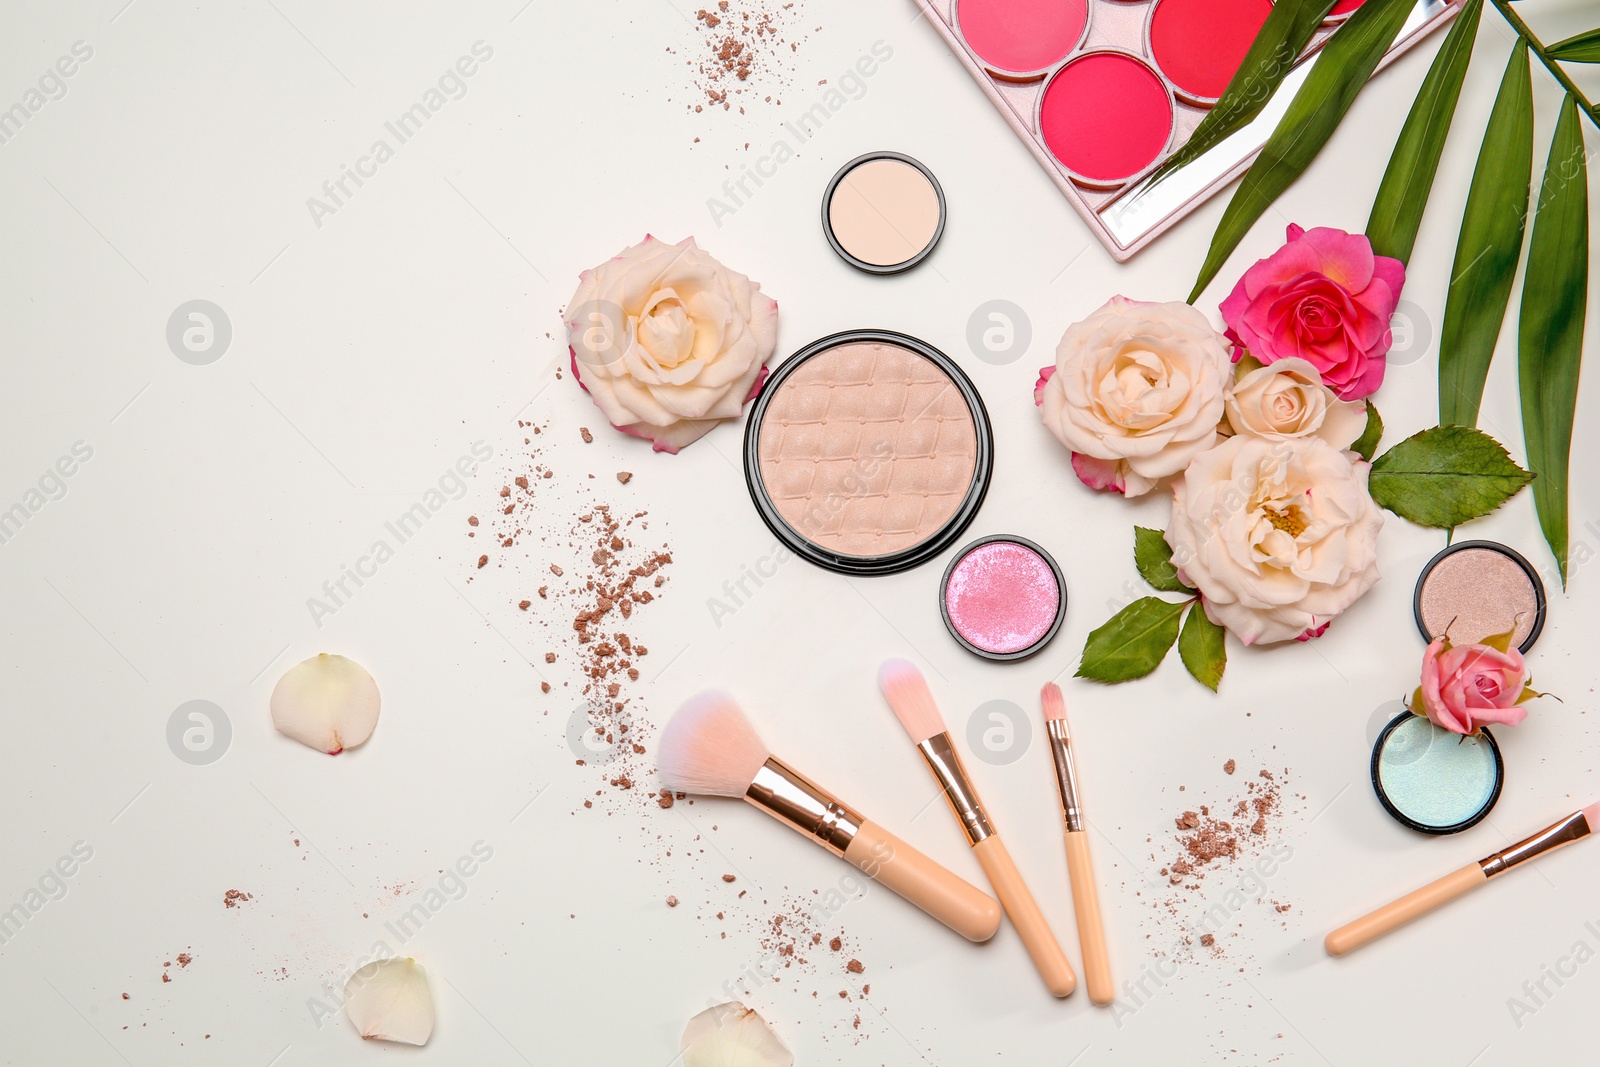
column 913, row 705
column 709, row 747
column 1085, row 895
column 1441, row 891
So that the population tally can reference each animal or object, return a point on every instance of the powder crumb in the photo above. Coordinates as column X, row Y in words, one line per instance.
column 672, row 902
column 1228, row 768
column 588, row 438
column 234, row 897
column 854, row 966
column 727, row 878
column 1208, row 940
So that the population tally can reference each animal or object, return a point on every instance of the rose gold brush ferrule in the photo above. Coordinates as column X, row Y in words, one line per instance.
column 1564, row 832
column 787, row 795
column 1066, row 774
column 946, row 766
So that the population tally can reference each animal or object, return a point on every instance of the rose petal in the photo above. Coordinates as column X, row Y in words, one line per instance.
column 326, row 702
column 389, row 1000
column 732, row 1035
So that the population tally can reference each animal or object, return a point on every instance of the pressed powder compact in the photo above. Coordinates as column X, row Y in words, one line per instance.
column 1003, row 597
column 1477, row 589
column 868, row 452
column 883, row 212
column 1432, row 780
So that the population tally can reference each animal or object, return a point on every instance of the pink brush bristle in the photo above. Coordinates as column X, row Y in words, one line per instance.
column 709, row 747
column 908, row 695
column 1055, row 705
column 1591, row 815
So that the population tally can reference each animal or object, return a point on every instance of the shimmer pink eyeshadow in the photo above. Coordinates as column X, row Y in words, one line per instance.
column 1003, row 597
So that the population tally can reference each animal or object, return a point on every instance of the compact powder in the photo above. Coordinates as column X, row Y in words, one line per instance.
column 1003, row 597
column 1476, row 589
column 1106, row 116
column 1199, row 44
column 883, row 212
column 868, row 452
column 1432, row 780
column 1021, row 38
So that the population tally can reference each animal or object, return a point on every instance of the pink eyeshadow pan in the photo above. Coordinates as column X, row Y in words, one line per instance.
column 1021, row 38
column 1003, row 598
column 1106, row 116
column 1199, row 44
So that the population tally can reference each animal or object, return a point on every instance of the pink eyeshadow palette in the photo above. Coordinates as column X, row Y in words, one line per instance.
column 1102, row 91
column 1003, row 598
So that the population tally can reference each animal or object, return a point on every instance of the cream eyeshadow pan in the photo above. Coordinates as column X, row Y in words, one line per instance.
column 868, row 452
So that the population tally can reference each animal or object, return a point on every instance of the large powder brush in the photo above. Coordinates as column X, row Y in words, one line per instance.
column 710, row 748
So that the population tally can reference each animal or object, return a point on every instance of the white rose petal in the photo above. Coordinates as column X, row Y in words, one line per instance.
column 326, row 702
column 389, row 1001
column 732, row 1035
column 1137, row 387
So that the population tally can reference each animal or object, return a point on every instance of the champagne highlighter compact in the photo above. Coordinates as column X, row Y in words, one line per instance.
column 868, row 452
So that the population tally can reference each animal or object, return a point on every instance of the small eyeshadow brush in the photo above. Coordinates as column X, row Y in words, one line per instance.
column 907, row 692
column 1085, row 895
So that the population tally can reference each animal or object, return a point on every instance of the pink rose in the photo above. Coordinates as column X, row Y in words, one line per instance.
column 1323, row 297
column 1468, row 686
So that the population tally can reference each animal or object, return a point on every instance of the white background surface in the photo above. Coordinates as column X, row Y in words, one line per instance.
column 369, row 353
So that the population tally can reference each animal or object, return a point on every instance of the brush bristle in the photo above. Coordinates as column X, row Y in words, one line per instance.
column 908, row 694
column 1055, row 705
column 1591, row 815
column 709, row 747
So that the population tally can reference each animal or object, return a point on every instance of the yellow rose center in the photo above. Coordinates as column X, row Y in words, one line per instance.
column 1290, row 520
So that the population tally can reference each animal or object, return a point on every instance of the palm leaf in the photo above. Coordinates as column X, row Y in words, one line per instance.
column 1489, row 247
column 1403, row 195
column 1550, row 337
column 1346, row 62
column 1583, row 48
column 1279, row 42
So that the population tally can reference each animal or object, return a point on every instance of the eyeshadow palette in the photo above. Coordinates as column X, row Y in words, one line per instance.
column 868, row 452
column 1102, row 91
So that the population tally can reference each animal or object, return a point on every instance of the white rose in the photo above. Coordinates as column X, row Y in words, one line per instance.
column 668, row 341
column 1278, row 536
column 1287, row 399
column 1136, row 392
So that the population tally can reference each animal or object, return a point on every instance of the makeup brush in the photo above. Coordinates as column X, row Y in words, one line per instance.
column 1085, row 896
column 1419, row 902
column 907, row 693
column 709, row 747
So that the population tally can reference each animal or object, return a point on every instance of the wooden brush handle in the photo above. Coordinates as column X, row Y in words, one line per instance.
column 1418, row 902
column 1091, row 930
column 1025, row 915
column 961, row 906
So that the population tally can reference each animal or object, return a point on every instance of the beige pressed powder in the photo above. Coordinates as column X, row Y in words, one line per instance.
column 1476, row 589
column 883, row 212
column 866, row 449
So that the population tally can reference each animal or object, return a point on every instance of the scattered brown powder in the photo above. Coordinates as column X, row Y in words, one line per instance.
column 747, row 50
column 234, row 897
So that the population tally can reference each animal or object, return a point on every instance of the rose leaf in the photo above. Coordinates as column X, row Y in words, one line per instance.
column 1367, row 443
column 1445, row 476
column 1132, row 642
column 1153, row 556
column 1202, row 647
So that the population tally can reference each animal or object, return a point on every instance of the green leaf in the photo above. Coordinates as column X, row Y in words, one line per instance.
column 1445, row 476
column 1203, row 649
column 1153, row 556
column 1280, row 41
column 1550, row 335
column 1403, row 195
column 1132, row 642
column 1337, row 76
column 1583, row 48
column 1489, row 247
column 1367, row 443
